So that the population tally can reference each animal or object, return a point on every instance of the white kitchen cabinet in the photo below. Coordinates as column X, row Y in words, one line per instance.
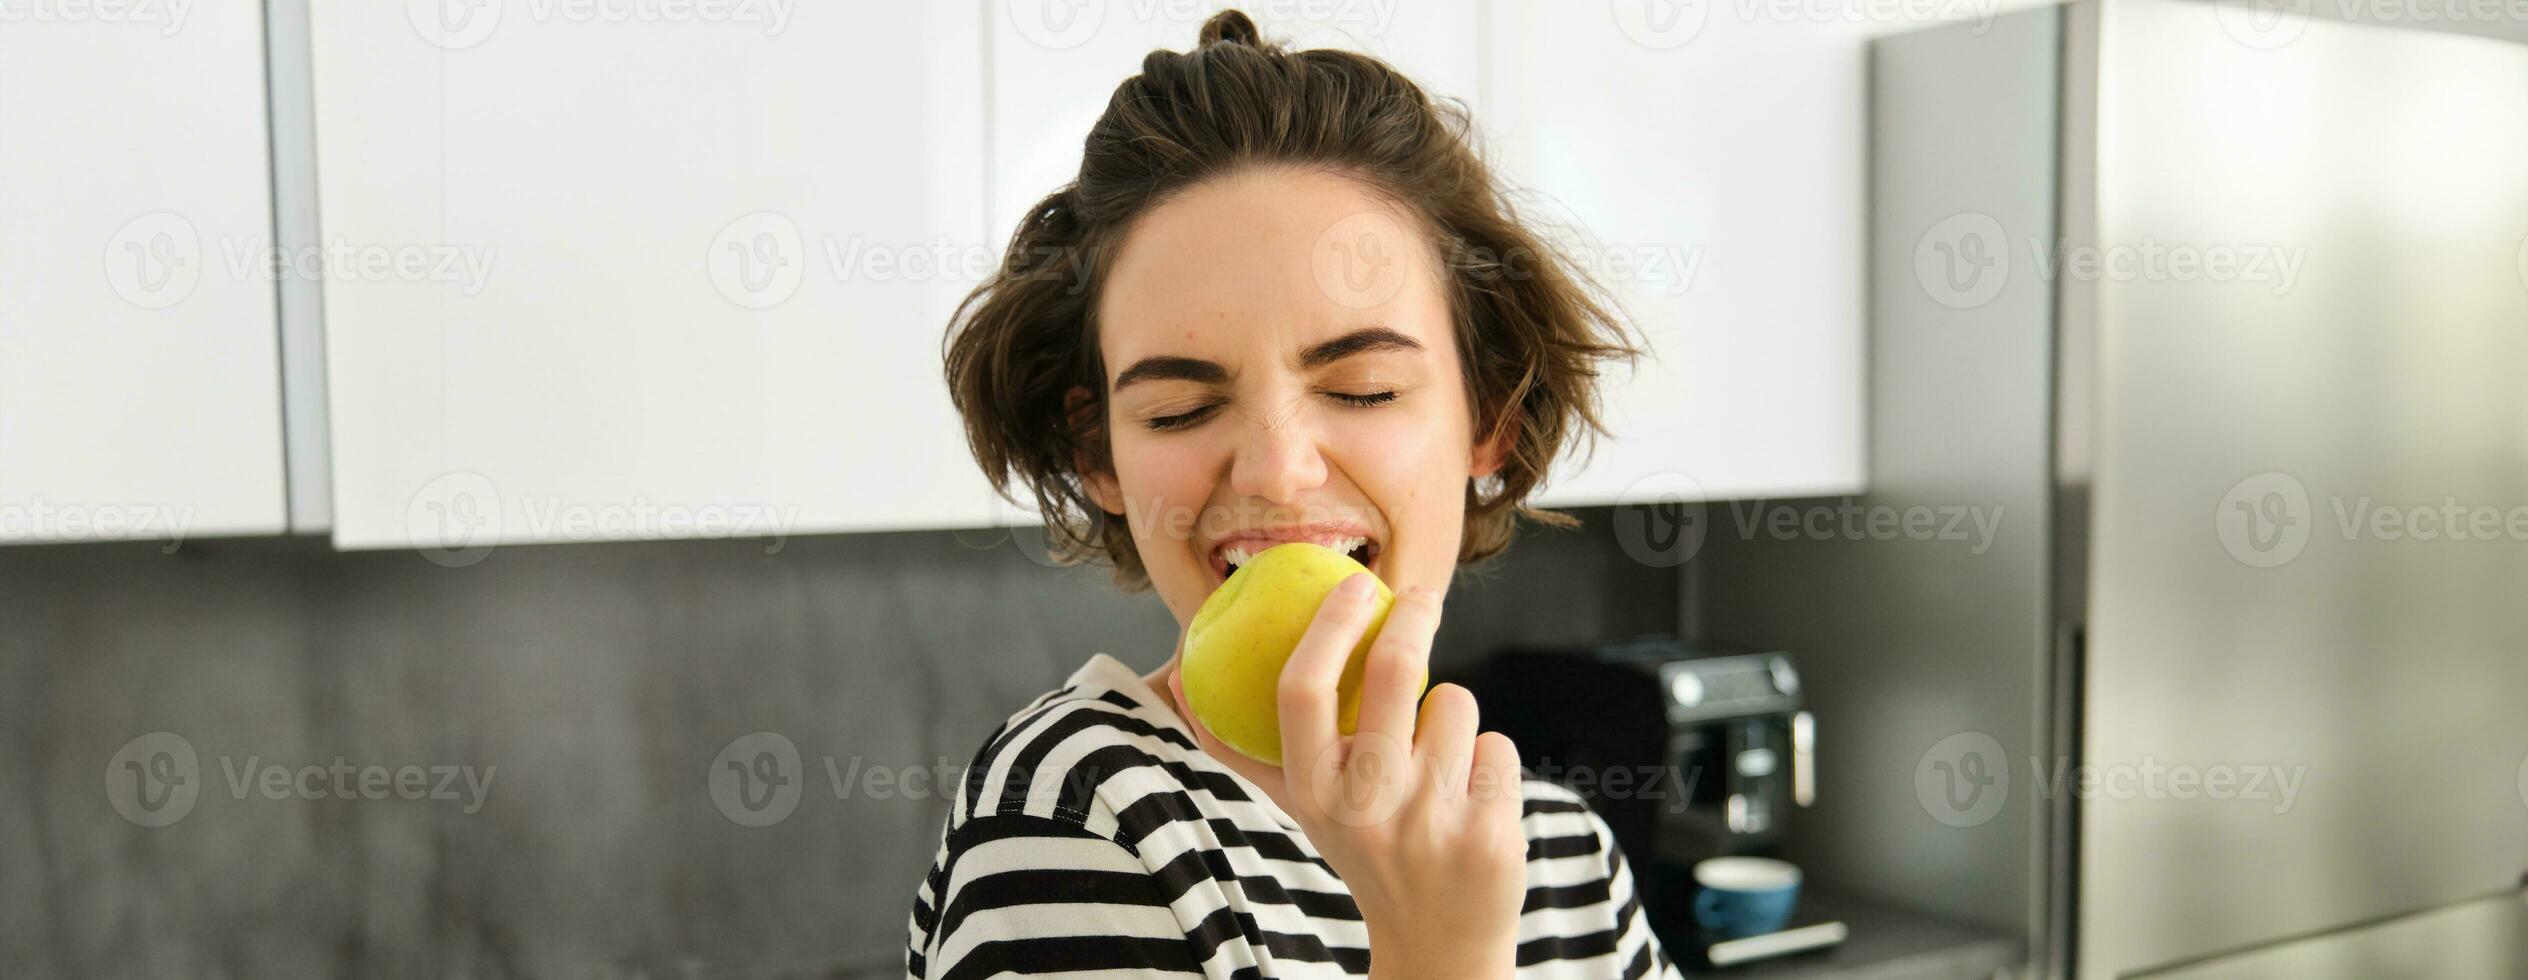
column 139, row 395
column 1709, row 169
column 643, row 273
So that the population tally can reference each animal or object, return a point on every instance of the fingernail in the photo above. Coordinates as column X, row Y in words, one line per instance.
column 1355, row 587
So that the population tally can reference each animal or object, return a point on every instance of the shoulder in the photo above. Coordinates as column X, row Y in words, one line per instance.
column 1582, row 911
column 1091, row 757
column 1559, row 823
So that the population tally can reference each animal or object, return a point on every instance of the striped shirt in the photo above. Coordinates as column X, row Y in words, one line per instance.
column 1091, row 833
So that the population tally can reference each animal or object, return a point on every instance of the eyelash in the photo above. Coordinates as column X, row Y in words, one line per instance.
column 1169, row 423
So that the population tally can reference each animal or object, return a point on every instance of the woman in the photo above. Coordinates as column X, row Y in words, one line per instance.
column 1283, row 301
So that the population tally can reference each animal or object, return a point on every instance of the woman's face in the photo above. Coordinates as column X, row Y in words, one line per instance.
column 1280, row 365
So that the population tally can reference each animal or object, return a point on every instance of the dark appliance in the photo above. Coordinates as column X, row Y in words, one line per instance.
column 1688, row 750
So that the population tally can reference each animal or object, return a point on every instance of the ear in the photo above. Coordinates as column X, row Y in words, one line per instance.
column 1089, row 426
column 1488, row 455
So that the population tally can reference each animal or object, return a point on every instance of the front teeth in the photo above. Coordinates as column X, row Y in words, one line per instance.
column 1237, row 555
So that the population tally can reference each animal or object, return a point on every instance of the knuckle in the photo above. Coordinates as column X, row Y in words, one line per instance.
column 1296, row 693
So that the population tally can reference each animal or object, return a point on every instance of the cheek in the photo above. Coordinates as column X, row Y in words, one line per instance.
column 1165, row 483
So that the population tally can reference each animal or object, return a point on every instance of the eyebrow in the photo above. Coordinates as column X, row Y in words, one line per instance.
column 1173, row 368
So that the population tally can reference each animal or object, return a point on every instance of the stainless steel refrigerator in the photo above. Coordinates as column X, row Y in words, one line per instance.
column 2217, row 316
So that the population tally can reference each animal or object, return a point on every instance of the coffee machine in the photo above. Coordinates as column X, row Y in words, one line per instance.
column 1688, row 750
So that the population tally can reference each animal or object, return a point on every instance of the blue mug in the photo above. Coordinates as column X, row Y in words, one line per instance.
column 1744, row 896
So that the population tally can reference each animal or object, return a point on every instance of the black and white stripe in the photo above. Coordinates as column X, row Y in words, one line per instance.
column 1091, row 834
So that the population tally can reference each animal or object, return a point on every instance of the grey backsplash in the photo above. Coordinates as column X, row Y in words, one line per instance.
column 593, row 687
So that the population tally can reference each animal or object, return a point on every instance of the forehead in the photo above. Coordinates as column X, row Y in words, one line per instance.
column 1269, row 260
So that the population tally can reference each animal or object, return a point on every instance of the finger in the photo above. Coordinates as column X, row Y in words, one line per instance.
column 1445, row 742
column 1399, row 664
column 1305, row 699
column 1497, row 784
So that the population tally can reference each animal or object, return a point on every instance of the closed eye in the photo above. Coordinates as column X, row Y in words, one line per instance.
column 1364, row 400
column 1180, row 420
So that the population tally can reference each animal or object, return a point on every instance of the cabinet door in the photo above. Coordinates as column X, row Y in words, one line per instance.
column 647, row 273
column 139, row 389
column 1056, row 62
column 1709, row 169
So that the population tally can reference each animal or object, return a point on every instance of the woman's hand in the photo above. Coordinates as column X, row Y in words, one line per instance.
column 1418, row 814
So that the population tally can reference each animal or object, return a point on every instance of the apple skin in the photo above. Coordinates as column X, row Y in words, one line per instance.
column 1246, row 631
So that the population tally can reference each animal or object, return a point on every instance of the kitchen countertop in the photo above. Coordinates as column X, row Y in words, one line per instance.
column 1885, row 942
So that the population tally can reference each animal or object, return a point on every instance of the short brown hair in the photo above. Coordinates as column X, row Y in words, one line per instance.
column 1530, row 330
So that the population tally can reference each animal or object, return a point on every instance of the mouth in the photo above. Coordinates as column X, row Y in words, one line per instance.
column 1232, row 553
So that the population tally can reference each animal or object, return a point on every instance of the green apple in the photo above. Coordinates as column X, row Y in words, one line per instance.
column 1246, row 631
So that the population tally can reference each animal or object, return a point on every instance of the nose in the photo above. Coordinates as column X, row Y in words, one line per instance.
column 1277, row 459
